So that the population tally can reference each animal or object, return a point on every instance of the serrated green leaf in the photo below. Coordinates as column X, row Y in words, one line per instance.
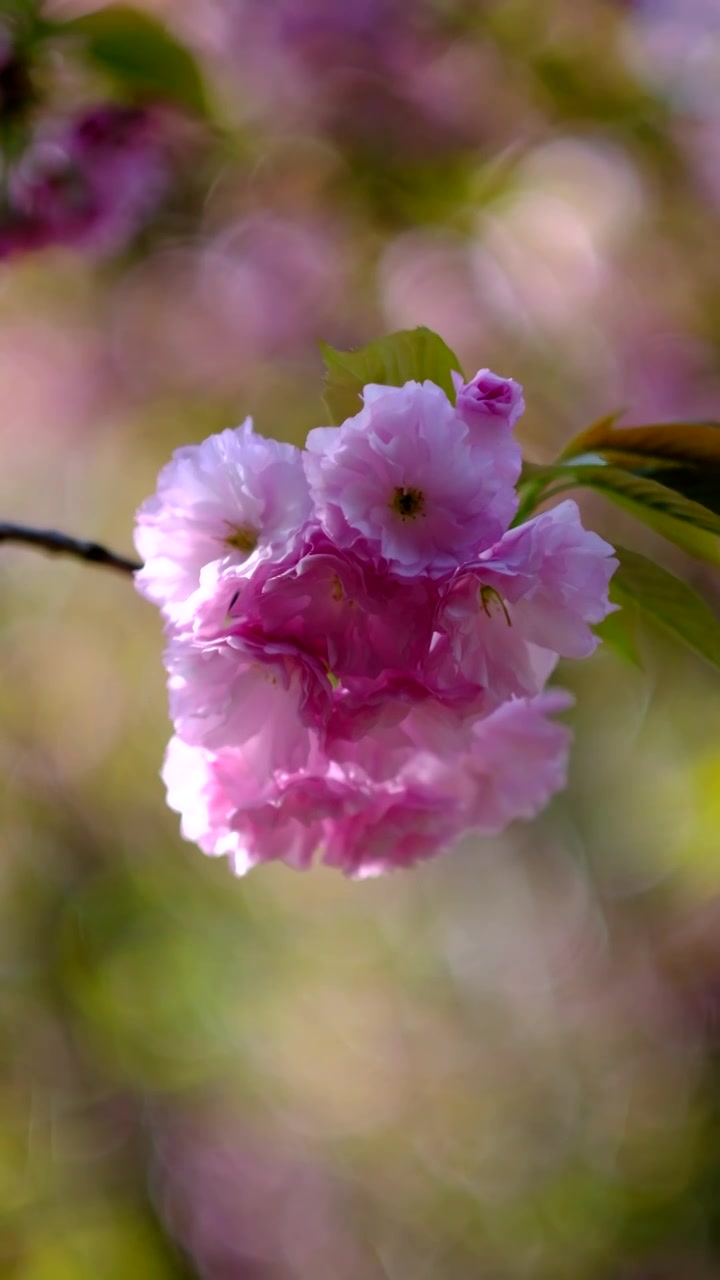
column 141, row 53
column 669, row 601
column 410, row 354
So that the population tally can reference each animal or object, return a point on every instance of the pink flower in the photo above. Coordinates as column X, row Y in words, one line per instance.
column 517, row 762
column 232, row 500
column 406, row 483
column 554, row 575
column 383, row 803
column 217, row 813
column 487, row 397
column 419, row 805
column 479, row 653
column 241, row 689
column 506, row 618
column 347, row 687
column 341, row 813
column 321, row 613
column 357, row 621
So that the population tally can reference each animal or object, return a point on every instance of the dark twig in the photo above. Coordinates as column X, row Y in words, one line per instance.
column 61, row 544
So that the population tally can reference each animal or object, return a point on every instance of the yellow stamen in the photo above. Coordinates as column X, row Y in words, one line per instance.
column 489, row 595
column 242, row 538
column 408, row 503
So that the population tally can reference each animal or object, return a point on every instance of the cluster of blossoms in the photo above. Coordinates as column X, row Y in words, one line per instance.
column 87, row 182
column 358, row 644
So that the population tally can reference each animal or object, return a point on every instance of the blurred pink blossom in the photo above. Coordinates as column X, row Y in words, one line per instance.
column 375, row 74
column 87, row 184
column 204, row 314
column 250, row 1203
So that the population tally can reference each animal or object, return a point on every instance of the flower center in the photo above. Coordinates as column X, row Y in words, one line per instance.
column 242, row 538
column 408, row 503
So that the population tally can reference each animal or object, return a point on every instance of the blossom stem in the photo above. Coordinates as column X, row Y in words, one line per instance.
column 62, row 544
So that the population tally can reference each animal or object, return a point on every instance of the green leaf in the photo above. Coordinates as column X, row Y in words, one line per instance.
column 697, row 542
column 669, row 601
column 684, row 456
column 618, row 632
column 411, row 354
column 688, row 524
column 696, row 442
column 642, row 494
column 141, row 53
column 590, row 440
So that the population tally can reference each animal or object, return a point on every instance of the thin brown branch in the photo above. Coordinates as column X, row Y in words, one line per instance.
column 62, row 544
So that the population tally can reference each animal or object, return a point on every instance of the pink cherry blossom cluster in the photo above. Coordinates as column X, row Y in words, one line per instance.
column 358, row 644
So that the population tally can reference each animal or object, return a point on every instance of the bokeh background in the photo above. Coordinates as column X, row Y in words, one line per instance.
column 501, row 1065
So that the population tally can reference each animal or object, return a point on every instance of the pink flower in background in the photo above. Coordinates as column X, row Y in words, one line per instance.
column 364, row 73
column 273, row 281
column 358, row 647
column 302, row 22
column 232, row 499
column 88, row 184
column 404, row 481
column 252, row 1204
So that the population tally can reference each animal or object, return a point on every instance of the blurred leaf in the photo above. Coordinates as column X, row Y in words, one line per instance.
column 668, row 601
column 141, row 53
column 585, row 442
column 642, row 494
column 618, row 632
column 111, row 1238
column 534, row 480
column 400, row 191
column 699, row 543
column 411, row 354
column 684, row 456
column 696, row 442
column 582, row 87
